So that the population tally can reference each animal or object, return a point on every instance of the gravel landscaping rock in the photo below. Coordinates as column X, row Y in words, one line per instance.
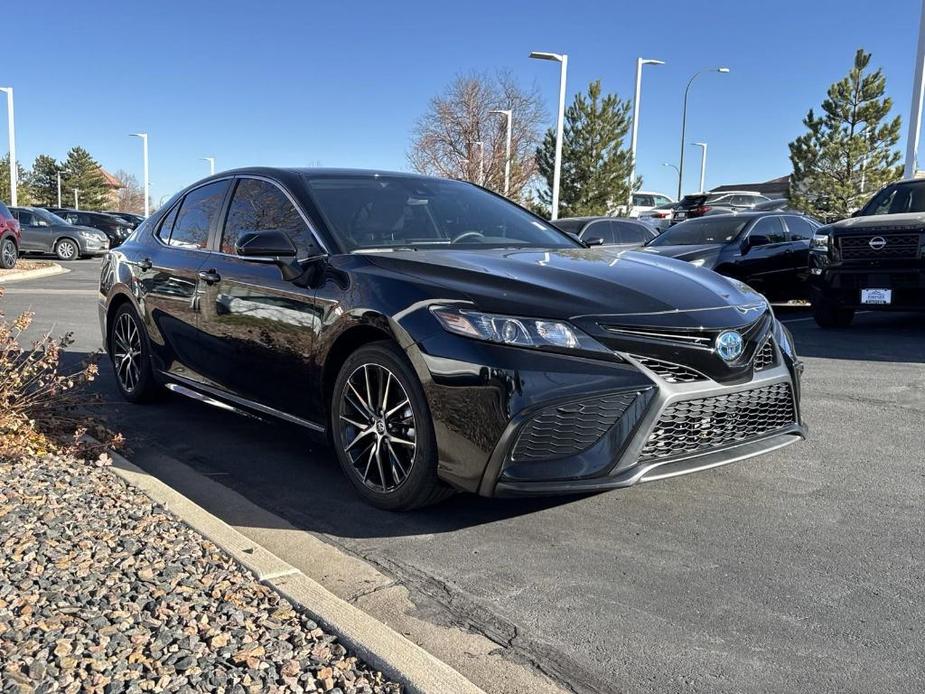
column 101, row 590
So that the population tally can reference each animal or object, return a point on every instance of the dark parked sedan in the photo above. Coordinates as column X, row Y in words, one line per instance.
column 443, row 337
column 608, row 231
column 46, row 232
column 767, row 251
column 115, row 228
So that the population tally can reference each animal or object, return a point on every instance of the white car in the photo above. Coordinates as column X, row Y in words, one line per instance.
column 659, row 218
column 643, row 201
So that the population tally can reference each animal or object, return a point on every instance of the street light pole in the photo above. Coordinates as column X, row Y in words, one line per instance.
column 144, row 141
column 722, row 70
column 211, row 161
column 639, row 63
column 76, row 199
column 10, row 118
column 507, row 151
column 703, row 163
column 673, row 166
column 481, row 147
column 58, row 173
column 918, row 94
column 562, row 59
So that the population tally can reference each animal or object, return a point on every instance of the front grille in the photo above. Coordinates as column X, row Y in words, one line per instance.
column 673, row 373
column 896, row 246
column 765, row 357
column 565, row 430
column 693, row 426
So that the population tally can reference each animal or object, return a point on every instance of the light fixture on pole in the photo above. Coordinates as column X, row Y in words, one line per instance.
column 211, row 161
column 144, row 140
column 635, row 131
column 10, row 118
column 703, row 163
column 507, row 150
column 722, row 70
column 58, row 174
column 562, row 59
column 918, row 95
column 76, row 199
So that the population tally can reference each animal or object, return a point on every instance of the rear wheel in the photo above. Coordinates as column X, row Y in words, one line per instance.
column 382, row 430
column 8, row 254
column 829, row 315
column 130, row 352
column 67, row 249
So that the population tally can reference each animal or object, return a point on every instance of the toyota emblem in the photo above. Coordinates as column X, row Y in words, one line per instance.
column 877, row 243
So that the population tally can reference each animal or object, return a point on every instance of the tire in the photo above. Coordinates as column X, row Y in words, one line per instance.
column 134, row 376
column 67, row 249
column 828, row 315
column 8, row 254
column 373, row 447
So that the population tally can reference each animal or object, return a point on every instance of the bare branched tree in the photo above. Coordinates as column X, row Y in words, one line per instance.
column 130, row 197
column 444, row 142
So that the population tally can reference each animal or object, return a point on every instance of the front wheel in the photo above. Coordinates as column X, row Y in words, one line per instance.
column 67, row 249
column 829, row 315
column 382, row 431
column 8, row 254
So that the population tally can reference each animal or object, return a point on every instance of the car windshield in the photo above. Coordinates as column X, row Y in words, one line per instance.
column 400, row 212
column 695, row 232
column 49, row 217
column 896, row 199
column 572, row 226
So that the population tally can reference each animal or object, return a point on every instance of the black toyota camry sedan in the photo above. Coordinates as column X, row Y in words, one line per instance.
column 444, row 338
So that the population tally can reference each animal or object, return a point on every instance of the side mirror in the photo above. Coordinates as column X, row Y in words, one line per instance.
column 273, row 246
column 593, row 241
column 756, row 240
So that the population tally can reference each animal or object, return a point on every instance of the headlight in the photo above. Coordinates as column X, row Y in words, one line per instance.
column 699, row 262
column 510, row 330
column 88, row 235
column 821, row 242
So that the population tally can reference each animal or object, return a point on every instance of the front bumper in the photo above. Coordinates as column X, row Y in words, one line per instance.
column 605, row 424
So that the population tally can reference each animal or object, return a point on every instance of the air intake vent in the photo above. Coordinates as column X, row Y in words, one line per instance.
column 766, row 357
column 673, row 373
column 694, row 426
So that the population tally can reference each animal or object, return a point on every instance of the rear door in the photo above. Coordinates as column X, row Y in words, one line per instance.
column 171, row 283
column 257, row 327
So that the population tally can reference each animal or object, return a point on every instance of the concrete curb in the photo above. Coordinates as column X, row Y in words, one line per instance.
column 370, row 639
column 53, row 269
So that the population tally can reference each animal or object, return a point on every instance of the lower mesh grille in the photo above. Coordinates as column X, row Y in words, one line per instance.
column 691, row 426
column 673, row 373
column 765, row 357
column 568, row 429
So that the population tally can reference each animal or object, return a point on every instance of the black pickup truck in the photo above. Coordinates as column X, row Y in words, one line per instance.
column 873, row 260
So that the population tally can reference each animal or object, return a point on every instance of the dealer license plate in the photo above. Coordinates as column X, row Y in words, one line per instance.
column 876, row 296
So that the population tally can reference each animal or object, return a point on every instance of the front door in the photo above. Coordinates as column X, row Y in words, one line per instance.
column 766, row 266
column 258, row 327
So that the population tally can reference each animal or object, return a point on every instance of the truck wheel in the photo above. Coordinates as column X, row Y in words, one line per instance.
column 828, row 315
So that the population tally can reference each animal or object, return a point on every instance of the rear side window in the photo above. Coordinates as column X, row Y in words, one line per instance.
column 800, row 229
column 166, row 226
column 198, row 211
column 625, row 232
column 261, row 206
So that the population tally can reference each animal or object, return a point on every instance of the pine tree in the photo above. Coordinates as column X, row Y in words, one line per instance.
column 595, row 165
column 43, row 181
column 81, row 171
column 23, row 192
column 850, row 150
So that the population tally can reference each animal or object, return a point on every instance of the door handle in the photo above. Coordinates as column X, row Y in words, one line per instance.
column 145, row 264
column 209, row 276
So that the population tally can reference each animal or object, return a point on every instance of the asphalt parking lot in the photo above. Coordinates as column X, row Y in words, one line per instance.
column 798, row 571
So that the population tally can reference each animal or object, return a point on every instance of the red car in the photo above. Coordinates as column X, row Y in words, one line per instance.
column 9, row 238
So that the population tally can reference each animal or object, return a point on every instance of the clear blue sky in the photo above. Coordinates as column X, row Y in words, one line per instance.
column 342, row 83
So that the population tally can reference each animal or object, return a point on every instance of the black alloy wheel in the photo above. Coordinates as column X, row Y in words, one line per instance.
column 382, row 431
column 67, row 249
column 8, row 254
column 129, row 351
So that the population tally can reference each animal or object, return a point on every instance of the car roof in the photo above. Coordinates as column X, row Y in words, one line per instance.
column 319, row 172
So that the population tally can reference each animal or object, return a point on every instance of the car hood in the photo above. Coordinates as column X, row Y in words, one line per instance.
column 708, row 251
column 907, row 220
column 569, row 283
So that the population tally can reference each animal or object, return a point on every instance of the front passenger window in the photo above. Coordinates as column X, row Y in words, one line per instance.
column 261, row 206
column 770, row 227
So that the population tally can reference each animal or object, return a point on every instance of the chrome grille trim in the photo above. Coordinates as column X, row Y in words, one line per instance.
column 673, row 373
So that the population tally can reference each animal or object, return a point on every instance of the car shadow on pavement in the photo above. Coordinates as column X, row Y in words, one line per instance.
column 873, row 336
column 280, row 467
